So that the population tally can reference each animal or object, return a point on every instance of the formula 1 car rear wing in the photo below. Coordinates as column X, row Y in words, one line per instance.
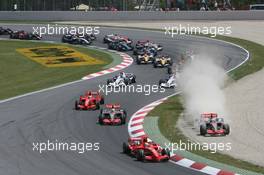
column 115, row 106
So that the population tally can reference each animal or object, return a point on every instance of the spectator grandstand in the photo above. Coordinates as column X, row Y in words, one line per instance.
column 126, row 5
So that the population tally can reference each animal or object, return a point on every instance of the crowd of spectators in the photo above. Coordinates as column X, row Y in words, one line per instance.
column 203, row 5
column 214, row 5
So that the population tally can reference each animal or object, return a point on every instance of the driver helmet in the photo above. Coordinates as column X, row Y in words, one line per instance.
column 145, row 139
column 122, row 74
column 89, row 93
column 137, row 142
column 212, row 119
column 146, row 144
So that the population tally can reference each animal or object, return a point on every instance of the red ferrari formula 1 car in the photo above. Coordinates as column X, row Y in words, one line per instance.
column 91, row 100
column 211, row 124
column 145, row 150
column 112, row 115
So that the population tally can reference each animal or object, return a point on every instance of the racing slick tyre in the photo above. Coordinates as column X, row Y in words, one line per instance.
column 12, row 36
column 101, row 112
column 93, row 37
column 83, row 43
column 123, row 119
column 126, row 149
column 102, row 101
column 100, row 120
column 125, row 113
column 227, row 129
column 77, row 105
column 203, row 130
column 169, row 70
column 109, row 81
column 165, row 152
column 171, row 62
column 155, row 65
column 32, row 37
column 133, row 79
column 119, row 49
column 126, row 81
column 138, row 61
column 97, row 106
column 140, row 155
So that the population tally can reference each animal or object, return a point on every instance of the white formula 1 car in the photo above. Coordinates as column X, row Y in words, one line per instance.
column 158, row 47
column 168, row 82
column 123, row 79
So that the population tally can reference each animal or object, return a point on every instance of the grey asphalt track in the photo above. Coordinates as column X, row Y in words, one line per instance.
column 49, row 116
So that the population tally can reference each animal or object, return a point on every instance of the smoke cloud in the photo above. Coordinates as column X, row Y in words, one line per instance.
column 201, row 82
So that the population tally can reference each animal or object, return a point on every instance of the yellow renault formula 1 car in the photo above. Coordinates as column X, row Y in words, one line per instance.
column 162, row 61
column 145, row 58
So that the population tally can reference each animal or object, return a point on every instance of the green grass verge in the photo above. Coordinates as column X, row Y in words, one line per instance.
column 19, row 75
column 256, row 61
column 169, row 112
